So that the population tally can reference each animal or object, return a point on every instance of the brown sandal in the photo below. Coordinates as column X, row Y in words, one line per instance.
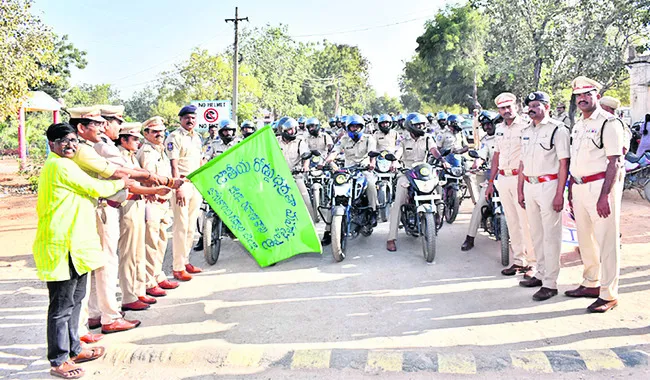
column 88, row 353
column 67, row 370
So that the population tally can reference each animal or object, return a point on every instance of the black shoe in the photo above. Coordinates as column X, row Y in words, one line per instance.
column 327, row 239
column 513, row 270
column 532, row 283
column 468, row 244
column 199, row 244
column 373, row 218
column 544, row 293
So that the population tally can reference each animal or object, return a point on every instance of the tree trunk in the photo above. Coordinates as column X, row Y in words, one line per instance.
column 475, row 94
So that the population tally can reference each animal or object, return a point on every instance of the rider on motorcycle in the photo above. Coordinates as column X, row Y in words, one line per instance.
column 226, row 139
column 293, row 150
column 248, row 128
column 387, row 138
column 302, row 130
column 318, row 140
column 415, row 148
column 488, row 121
column 452, row 138
column 356, row 145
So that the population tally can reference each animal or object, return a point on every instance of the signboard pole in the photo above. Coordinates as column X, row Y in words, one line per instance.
column 235, row 60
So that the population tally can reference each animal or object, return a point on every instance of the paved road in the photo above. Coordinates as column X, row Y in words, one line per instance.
column 375, row 312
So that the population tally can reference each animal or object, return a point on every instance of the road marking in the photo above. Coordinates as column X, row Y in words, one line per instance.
column 597, row 360
column 390, row 361
column 311, row 359
column 457, row 363
column 533, row 361
column 244, row 357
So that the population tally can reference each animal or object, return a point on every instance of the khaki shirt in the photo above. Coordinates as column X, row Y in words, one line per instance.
column 292, row 151
column 131, row 160
column 486, row 151
column 540, row 154
column 564, row 118
column 508, row 143
column 320, row 142
column 218, row 147
column 184, row 146
column 110, row 152
column 91, row 162
column 153, row 158
column 415, row 151
column 356, row 152
column 207, row 149
column 586, row 157
column 449, row 140
column 388, row 141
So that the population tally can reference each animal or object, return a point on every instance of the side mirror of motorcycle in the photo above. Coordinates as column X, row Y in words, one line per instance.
column 315, row 153
column 373, row 154
column 390, row 157
column 306, row 155
column 474, row 154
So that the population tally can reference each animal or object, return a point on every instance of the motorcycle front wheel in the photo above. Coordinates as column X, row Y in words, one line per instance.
column 504, row 236
column 339, row 237
column 212, row 230
column 428, row 235
column 452, row 205
column 382, row 198
column 315, row 203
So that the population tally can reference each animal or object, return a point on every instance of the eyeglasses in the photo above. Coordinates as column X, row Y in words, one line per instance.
column 95, row 123
column 66, row 141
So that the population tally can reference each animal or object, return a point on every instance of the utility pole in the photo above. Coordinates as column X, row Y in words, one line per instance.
column 235, row 60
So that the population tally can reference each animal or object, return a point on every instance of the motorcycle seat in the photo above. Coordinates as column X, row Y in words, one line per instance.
column 633, row 158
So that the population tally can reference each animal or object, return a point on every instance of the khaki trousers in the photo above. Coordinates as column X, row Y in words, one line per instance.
column 476, row 213
column 100, row 300
column 184, row 225
column 517, row 221
column 545, row 230
column 158, row 220
column 599, row 238
column 131, row 248
column 401, row 196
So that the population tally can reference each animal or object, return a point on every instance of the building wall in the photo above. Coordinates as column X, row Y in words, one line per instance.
column 639, row 67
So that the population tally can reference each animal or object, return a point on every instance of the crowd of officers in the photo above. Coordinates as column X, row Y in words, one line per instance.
column 531, row 158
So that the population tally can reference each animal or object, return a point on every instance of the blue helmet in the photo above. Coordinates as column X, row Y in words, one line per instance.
column 248, row 125
column 313, row 126
column 486, row 117
column 355, row 120
column 301, row 119
column 285, row 124
column 454, row 121
column 332, row 122
column 442, row 115
column 431, row 116
column 383, row 119
column 414, row 123
column 227, row 125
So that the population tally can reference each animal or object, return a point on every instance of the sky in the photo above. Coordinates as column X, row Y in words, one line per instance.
column 129, row 43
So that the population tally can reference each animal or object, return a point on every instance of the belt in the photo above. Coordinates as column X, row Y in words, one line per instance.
column 133, row 197
column 130, row 197
column 509, row 172
column 542, row 178
column 589, row 178
column 113, row 204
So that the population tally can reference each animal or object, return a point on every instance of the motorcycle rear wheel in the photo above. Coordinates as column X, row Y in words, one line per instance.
column 452, row 206
column 504, row 236
column 212, row 230
column 382, row 198
column 315, row 203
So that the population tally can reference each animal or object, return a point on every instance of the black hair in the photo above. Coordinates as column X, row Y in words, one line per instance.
column 645, row 125
column 59, row 130
column 118, row 142
column 74, row 121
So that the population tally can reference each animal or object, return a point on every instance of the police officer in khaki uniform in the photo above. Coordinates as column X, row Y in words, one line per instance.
column 226, row 140
column 561, row 114
column 356, row 145
column 453, row 139
column 317, row 140
column 387, row 139
column 543, row 171
column 595, row 190
column 487, row 120
column 151, row 156
column 413, row 149
column 183, row 147
column 611, row 104
column 293, row 149
column 505, row 164
column 213, row 138
column 247, row 128
column 131, row 244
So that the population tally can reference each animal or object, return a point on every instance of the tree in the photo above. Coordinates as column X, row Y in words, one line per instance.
column 89, row 94
column 139, row 106
column 451, row 55
column 59, row 72
column 385, row 104
column 26, row 50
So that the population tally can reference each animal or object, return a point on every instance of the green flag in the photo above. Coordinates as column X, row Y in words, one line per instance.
column 251, row 188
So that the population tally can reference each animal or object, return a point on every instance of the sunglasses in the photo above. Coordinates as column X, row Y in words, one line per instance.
column 66, row 141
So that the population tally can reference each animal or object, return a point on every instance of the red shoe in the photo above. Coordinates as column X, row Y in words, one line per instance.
column 135, row 306
column 156, row 291
column 119, row 325
column 181, row 275
column 91, row 338
column 147, row 299
column 168, row 284
column 192, row 269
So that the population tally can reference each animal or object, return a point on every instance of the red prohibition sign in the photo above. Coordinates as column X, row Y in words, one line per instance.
column 211, row 115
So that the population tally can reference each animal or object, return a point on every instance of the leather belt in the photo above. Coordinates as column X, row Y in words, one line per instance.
column 542, row 178
column 589, row 178
column 133, row 197
column 113, row 204
column 509, row 172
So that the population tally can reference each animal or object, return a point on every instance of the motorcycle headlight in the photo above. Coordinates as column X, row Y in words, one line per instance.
column 456, row 171
column 426, row 186
column 340, row 179
column 316, row 173
column 383, row 165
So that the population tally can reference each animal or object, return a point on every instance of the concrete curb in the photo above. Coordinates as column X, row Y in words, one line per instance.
column 378, row 361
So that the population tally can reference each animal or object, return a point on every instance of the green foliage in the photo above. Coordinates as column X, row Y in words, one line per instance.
column 385, row 104
column 26, row 50
column 89, row 94
column 59, row 71
column 139, row 106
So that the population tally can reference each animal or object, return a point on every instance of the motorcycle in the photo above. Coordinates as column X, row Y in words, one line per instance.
column 351, row 212
column 316, row 182
column 637, row 174
column 385, row 185
column 455, row 189
column 213, row 231
column 493, row 220
column 422, row 214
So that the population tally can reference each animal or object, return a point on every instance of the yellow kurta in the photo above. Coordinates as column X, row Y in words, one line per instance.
column 66, row 219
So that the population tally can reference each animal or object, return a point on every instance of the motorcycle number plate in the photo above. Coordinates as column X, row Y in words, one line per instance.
column 430, row 197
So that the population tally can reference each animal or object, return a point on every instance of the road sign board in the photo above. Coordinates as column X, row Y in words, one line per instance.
column 211, row 112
